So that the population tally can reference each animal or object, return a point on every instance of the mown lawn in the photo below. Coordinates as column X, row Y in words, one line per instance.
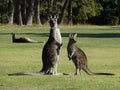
column 100, row 43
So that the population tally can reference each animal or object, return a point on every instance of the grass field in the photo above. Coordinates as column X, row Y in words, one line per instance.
column 100, row 43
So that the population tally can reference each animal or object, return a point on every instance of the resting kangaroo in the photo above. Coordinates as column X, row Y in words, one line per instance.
column 79, row 58
column 22, row 39
column 51, row 50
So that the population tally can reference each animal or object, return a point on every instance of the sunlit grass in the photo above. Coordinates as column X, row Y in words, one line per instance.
column 100, row 43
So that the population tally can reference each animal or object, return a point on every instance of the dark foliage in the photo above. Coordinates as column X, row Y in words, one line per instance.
column 101, row 12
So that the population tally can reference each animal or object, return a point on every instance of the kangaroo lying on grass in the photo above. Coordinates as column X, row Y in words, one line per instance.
column 51, row 51
column 22, row 39
column 79, row 57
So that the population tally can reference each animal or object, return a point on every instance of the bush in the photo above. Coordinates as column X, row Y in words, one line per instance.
column 113, row 20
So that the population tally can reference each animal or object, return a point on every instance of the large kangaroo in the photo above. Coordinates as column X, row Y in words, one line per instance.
column 51, row 50
column 22, row 39
column 79, row 57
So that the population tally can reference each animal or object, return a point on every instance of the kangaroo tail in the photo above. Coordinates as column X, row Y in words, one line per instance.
column 27, row 73
column 89, row 72
column 32, row 41
column 104, row 74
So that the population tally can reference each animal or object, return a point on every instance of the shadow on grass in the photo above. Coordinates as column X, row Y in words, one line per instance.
column 99, row 35
column 90, row 35
column 33, row 74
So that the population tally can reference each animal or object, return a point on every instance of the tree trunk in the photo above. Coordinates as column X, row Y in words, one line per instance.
column 119, row 10
column 0, row 17
column 51, row 5
column 37, row 12
column 11, row 12
column 70, row 13
column 20, row 22
column 62, row 11
column 30, row 12
column 24, row 11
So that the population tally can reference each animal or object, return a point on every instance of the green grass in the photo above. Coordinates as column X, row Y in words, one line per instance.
column 100, row 43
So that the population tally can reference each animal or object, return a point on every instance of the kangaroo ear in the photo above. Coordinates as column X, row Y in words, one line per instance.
column 49, row 17
column 75, row 35
column 56, row 16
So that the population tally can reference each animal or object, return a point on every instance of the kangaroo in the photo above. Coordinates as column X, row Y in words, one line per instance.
column 79, row 58
column 51, row 50
column 22, row 39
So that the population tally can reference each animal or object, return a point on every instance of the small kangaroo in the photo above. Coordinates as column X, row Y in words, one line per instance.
column 51, row 50
column 79, row 58
column 22, row 39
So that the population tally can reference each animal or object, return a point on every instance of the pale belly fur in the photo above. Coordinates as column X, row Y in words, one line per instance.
column 58, row 36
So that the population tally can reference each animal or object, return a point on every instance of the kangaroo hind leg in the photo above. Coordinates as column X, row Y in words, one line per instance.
column 54, row 72
column 78, row 69
column 77, row 72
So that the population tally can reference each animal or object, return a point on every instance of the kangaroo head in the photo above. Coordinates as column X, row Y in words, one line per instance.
column 72, row 38
column 52, row 21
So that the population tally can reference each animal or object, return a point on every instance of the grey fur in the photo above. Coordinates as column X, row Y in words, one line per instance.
column 51, row 50
column 79, row 58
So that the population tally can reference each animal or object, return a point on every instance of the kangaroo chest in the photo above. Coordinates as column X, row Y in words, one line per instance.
column 57, row 35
